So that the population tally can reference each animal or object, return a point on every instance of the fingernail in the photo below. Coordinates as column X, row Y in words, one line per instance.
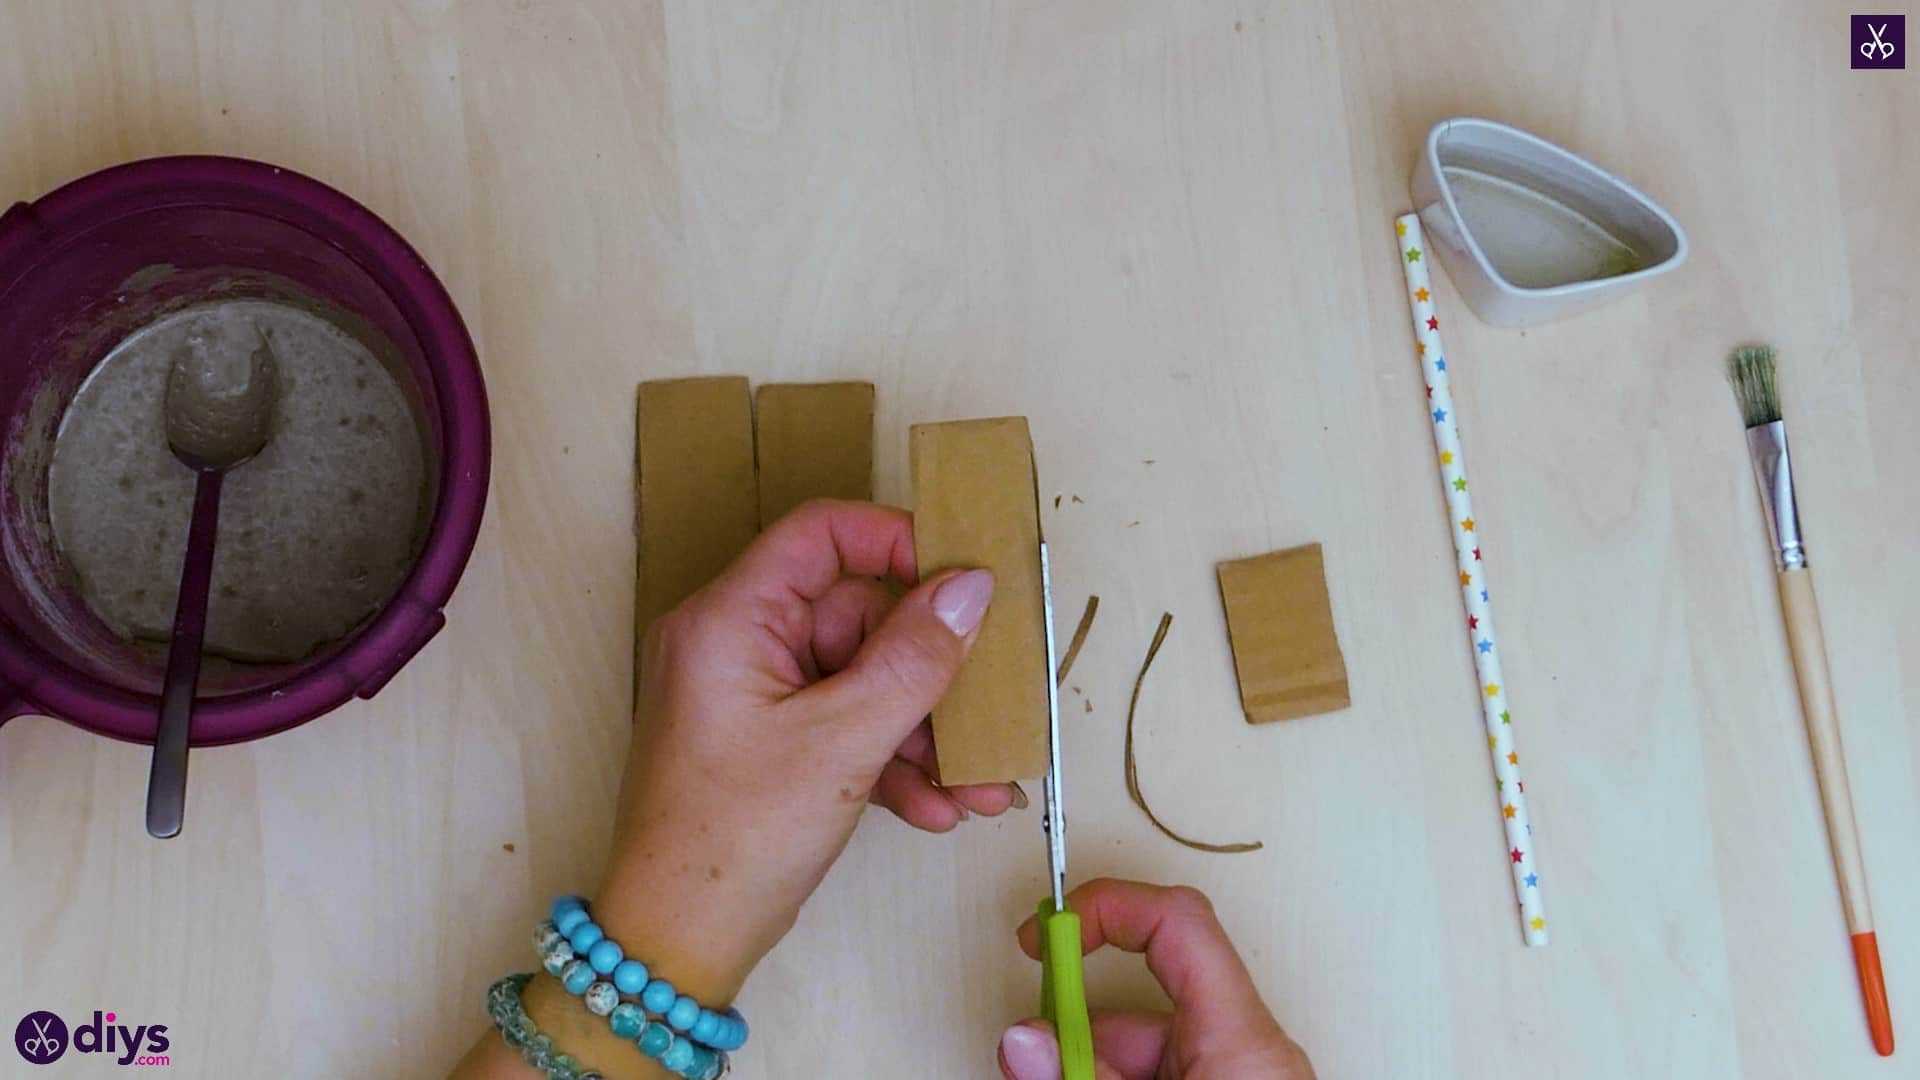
column 1026, row 1054
column 961, row 601
column 1019, row 795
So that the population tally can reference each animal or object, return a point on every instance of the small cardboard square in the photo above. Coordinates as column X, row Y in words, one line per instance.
column 975, row 505
column 1280, row 623
column 815, row 442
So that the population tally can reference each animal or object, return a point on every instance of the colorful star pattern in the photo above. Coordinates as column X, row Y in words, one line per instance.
column 1483, row 639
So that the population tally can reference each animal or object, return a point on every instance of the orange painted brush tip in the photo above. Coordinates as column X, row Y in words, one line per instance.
column 1873, row 987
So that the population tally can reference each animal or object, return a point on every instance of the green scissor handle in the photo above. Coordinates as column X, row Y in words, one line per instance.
column 1063, row 990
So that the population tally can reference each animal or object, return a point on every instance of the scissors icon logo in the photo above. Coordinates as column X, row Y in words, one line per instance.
column 41, row 1037
column 1882, row 47
column 1879, row 41
column 42, row 1044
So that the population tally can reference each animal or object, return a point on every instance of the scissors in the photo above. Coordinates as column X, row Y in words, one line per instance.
column 1063, row 984
column 1885, row 48
column 42, row 1045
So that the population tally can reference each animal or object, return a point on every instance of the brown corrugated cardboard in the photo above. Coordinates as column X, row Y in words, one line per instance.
column 1281, row 626
column 815, row 441
column 975, row 505
column 698, row 503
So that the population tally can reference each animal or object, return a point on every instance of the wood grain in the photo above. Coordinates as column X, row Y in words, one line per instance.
column 1158, row 230
column 1807, row 645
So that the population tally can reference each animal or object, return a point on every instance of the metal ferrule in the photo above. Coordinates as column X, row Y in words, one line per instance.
column 1772, row 471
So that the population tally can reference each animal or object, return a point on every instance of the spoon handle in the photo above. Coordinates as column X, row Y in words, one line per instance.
column 167, row 780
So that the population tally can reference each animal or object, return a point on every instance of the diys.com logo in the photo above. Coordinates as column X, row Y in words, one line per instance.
column 43, row 1038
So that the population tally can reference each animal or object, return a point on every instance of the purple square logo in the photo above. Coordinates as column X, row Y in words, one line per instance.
column 1879, row 41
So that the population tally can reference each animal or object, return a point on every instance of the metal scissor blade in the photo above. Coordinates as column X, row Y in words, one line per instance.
column 1055, row 819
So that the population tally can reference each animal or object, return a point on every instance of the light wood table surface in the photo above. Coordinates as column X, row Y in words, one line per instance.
column 1161, row 231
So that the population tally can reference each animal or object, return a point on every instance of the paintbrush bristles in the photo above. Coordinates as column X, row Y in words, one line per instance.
column 1751, row 371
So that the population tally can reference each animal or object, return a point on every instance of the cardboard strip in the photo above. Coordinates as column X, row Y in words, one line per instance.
column 1079, row 638
column 1280, row 624
column 815, row 442
column 1133, row 768
column 975, row 505
column 697, row 500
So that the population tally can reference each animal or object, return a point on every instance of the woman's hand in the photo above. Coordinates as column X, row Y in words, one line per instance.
column 774, row 704
column 1218, row 1029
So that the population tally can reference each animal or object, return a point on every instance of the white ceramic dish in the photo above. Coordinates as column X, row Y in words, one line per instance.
column 1530, row 232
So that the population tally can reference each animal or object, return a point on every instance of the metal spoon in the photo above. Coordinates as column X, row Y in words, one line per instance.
column 219, row 409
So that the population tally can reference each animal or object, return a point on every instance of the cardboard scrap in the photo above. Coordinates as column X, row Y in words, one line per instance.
column 1280, row 623
column 815, row 441
column 697, row 500
column 976, row 505
column 1133, row 764
column 1078, row 639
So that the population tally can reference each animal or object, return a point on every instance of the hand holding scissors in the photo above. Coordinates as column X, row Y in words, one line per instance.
column 1218, row 1027
column 1063, row 992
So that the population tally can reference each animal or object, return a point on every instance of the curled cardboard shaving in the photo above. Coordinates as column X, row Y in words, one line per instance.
column 1079, row 638
column 1133, row 771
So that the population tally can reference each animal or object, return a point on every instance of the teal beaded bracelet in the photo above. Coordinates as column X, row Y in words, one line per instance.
column 518, row 1031
column 666, row 1025
column 572, row 936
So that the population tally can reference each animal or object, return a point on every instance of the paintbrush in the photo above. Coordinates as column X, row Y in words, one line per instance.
column 1752, row 373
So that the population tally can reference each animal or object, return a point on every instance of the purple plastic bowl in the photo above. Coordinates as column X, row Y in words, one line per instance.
column 107, row 253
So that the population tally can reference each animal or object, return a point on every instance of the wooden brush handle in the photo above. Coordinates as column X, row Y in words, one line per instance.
column 1808, row 645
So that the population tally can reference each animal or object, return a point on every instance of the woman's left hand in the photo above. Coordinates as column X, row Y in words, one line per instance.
column 773, row 705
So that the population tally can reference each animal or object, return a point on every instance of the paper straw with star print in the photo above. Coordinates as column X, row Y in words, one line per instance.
column 1484, row 643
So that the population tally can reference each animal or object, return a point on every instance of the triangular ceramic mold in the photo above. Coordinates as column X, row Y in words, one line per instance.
column 1529, row 231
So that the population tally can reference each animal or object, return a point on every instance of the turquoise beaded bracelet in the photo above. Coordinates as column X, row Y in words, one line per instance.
column 682, row 1036
column 519, row 1032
